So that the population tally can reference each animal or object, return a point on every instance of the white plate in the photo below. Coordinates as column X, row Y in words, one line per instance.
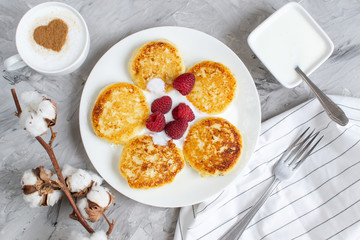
column 188, row 187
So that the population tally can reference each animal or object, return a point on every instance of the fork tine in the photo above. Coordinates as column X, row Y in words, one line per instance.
column 301, row 149
column 294, row 152
column 298, row 163
column 287, row 151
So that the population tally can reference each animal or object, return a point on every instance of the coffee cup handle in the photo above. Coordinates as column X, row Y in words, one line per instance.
column 14, row 62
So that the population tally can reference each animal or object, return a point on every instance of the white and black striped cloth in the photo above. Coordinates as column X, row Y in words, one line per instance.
column 322, row 201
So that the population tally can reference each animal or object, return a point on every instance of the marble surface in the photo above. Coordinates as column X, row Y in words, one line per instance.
column 109, row 21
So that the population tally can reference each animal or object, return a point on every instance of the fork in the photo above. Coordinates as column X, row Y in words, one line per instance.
column 284, row 169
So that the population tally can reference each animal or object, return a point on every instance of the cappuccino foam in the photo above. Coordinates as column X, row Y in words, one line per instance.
column 43, row 59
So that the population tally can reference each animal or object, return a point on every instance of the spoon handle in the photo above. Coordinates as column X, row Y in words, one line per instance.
column 332, row 110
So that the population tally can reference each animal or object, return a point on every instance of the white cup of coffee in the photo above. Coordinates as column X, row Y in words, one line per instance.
column 52, row 38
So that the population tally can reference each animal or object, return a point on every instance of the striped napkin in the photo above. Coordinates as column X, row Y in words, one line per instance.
column 322, row 200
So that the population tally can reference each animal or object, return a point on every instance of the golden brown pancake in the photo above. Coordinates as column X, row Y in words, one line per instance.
column 212, row 146
column 156, row 59
column 119, row 113
column 214, row 88
column 146, row 165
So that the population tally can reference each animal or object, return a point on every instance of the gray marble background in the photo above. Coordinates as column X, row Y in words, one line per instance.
column 109, row 21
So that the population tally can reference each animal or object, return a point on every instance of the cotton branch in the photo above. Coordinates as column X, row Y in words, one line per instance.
column 111, row 225
column 49, row 150
column 16, row 100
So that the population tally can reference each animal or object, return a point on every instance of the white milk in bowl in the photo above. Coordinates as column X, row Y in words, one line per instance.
column 289, row 38
column 74, row 49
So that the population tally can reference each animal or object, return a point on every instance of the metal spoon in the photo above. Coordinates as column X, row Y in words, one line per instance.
column 332, row 110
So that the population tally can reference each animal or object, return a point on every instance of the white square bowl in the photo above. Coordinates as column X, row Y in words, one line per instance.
column 290, row 37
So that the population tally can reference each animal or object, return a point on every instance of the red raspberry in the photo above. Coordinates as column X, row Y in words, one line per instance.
column 183, row 111
column 176, row 129
column 162, row 104
column 184, row 83
column 156, row 122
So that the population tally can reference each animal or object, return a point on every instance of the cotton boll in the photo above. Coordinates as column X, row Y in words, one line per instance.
column 97, row 201
column 99, row 195
column 68, row 170
column 79, row 180
column 25, row 114
column 96, row 178
column 35, row 125
column 100, row 235
column 82, row 204
column 77, row 236
column 38, row 113
column 47, row 110
column 54, row 197
column 28, row 178
column 33, row 199
column 38, row 187
column 32, row 99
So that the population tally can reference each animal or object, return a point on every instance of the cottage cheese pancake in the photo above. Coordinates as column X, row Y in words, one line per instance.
column 156, row 59
column 119, row 113
column 146, row 165
column 212, row 146
column 214, row 88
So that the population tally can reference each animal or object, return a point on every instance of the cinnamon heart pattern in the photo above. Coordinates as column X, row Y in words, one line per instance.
column 53, row 35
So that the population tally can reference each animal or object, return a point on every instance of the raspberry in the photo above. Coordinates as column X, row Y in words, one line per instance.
column 183, row 111
column 162, row 104
column 184, row 83
column 176, row 129
column 156, row 122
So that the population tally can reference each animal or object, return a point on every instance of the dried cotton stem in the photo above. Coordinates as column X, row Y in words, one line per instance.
column 50, row 152
column 111, row 225
column 16, row 100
